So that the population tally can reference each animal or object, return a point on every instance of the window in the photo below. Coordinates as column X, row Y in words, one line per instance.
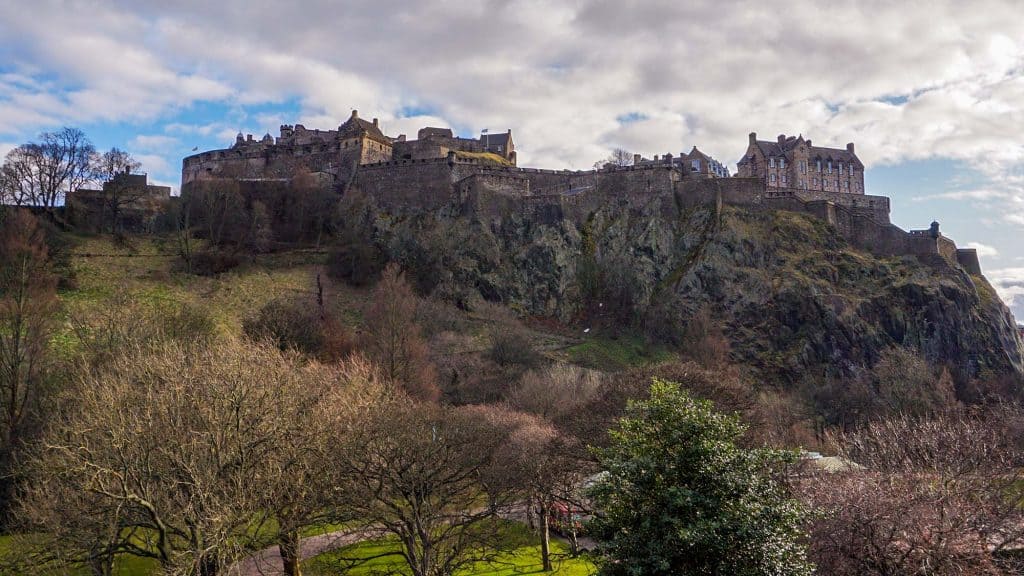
column 819, row 165
column 771, row 162
column 773, row 178
column 814, row 181
column 782, row 164
column 803, row 166
column 695, row 164
column 840, row 168
column 783, row 178
column 829, row 166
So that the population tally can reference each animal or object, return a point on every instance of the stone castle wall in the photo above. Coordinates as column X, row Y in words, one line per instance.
column 862, row 219
column 429, row 183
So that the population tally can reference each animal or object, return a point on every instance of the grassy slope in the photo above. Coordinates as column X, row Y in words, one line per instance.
column 146, row 272
column 522, row 556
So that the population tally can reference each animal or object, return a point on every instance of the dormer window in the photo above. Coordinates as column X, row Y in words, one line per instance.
column 695, row 164
column 771, row 162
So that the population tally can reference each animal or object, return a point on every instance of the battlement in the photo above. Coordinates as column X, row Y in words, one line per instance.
column 441, row 169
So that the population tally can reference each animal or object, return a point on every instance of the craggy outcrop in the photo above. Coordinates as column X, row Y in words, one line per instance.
column 790, row 292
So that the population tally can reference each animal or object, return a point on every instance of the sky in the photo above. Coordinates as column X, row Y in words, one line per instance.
column 932, row 93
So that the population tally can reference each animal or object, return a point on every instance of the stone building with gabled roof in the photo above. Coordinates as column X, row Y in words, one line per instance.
column 500, row 144
column 792, row 162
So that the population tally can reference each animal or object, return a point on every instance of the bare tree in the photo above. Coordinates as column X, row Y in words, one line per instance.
column 418, row 471
column 43, row 172
column 18, row 184
column 617, row 157
column 393, row 337
column 937, row 496
column 27, row 307
column 109, row 169
column 538, row 463
column 177, row 453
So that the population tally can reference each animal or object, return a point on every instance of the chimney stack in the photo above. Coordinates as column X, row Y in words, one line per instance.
column 753, row 138
column 374, row 122
column 849, row 148
column 355, row 114
column 782, row 138
column 636, row 159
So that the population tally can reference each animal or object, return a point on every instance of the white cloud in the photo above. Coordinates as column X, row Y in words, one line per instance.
column 153, row 163
column 6, row 147
column 561, row 75
column 1009, row 283
column 154, row 142
column 984, row 250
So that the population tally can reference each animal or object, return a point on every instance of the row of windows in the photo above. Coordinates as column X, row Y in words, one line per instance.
column 819, row 165
column 843, row 185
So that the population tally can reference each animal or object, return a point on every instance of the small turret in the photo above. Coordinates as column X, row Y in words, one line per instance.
column 934, row 230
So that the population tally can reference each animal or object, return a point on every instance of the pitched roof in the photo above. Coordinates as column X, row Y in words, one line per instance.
column 775, row 149
column 356, row 126
column 493, row 140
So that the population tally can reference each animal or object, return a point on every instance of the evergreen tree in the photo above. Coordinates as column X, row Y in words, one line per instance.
column 680, row 496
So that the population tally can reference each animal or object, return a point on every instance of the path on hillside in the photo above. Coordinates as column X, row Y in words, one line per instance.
column 267, row 562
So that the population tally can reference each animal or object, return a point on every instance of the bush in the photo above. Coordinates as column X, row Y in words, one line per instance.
column 513, row 348
column 681, row 496
column 299, row 324
column 356, row 263
column 213, row 262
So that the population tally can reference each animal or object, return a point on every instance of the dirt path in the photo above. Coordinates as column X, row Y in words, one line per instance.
column 267, row 562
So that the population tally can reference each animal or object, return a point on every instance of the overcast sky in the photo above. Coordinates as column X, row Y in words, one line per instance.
column 931, row 92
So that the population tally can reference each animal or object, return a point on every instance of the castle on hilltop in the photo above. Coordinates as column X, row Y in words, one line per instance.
column 338, row 153
column 792, row 162
column 439, row 169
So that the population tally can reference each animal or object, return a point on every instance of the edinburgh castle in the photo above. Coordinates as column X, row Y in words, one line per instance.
column 439, row 169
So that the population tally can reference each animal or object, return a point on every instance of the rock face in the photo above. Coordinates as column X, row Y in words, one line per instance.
column 790, row 293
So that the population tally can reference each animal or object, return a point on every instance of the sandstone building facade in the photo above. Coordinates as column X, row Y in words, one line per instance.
column 792, row 162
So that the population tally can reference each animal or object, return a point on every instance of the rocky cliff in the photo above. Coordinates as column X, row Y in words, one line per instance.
column 789, row 292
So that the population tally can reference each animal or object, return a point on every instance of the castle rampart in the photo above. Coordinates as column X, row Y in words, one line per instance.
column 439, row 169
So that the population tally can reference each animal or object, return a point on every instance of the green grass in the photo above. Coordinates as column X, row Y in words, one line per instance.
column 484, row 158
column 522, row 556
column 616, row 354
column 11, row 548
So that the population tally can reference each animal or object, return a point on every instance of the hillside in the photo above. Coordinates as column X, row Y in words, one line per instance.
column 788, row 292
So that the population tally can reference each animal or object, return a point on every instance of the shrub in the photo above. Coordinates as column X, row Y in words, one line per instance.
column 213, row 262
column 297, row 323
column 356, row 263
column 681, row 496
column 513, row 348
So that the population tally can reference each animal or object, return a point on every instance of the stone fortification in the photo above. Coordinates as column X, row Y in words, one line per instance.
column 439, row 169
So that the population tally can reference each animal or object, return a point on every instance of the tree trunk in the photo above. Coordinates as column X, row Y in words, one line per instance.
column 289, row 544
column 545, row 538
